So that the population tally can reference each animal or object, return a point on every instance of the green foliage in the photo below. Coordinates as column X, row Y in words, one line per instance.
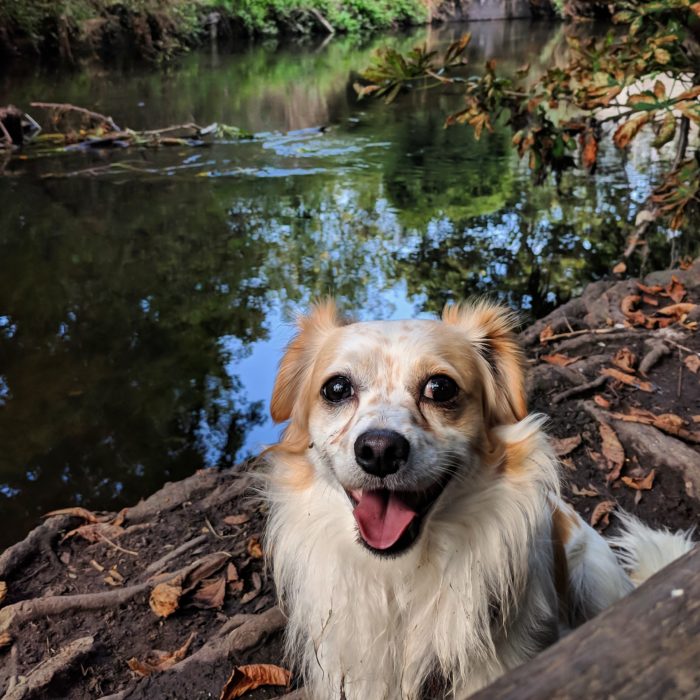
column 640, row 77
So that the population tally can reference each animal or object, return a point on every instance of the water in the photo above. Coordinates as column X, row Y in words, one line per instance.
column 144, row 308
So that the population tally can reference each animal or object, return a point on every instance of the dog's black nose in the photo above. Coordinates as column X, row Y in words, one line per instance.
column 381, row 452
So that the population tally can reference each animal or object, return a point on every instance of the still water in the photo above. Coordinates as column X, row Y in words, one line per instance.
column 143, row 308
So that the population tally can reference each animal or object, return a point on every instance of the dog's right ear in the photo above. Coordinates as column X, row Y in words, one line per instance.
column 299, row 357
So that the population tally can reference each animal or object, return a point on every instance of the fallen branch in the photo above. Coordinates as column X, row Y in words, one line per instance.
column 572, row 334
column 66, row 107
column 580, row 389
column 44, row 673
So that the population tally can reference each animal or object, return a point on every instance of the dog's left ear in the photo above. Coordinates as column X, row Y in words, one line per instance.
column 491, row 328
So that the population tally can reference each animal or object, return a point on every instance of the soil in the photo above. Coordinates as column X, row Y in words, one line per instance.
column 47, row 568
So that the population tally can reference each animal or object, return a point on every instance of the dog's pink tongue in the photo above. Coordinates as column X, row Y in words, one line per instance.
column 382, row 518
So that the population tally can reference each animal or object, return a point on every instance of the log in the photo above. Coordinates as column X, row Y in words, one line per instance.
column 645, row 647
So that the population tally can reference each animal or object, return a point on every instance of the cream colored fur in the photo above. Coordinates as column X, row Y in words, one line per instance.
column 475, row 594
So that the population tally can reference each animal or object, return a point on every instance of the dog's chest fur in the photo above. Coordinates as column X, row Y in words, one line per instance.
column 440, row 621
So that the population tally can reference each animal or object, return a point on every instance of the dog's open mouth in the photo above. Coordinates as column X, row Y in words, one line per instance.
column 389, row 521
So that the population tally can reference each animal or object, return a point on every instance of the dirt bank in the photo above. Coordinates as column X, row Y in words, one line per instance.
column 618, row 372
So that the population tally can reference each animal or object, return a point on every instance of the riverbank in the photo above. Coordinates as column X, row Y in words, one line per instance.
column 89, row 599
column 155, row 30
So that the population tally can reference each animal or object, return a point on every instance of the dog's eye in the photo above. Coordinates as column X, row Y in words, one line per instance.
column 337, row 389
column 440, row 388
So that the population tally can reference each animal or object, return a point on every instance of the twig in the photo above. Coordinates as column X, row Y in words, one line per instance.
column 66, row 107
column 682, row 142
column 116, row 546
column 680, row 374
column 158, row 565
column 167, row 129
column 593, row 331
column 580, row 389
column 215, row 533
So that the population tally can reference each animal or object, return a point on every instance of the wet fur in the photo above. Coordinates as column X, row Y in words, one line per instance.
column 502, row 564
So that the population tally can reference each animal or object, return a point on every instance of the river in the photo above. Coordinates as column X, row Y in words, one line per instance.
column 144, row 305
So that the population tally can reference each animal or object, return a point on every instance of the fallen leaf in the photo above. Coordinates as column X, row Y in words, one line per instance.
column 625, row 359
column 588, row 493
column 632, row 314
column 257, row 585
column 692, row 362
column 601, row 514
column 3, row 591
column 252, row 676
column 559, row 359
column 666, row 422
column 675, row 289
column 165, row 599
column 601, row 401
column 255, row 548
column 563, row 446
column 109, row 579
column 677, row 311
column 612, row 450
column 5, row 639
column 651, row 301
column 210, row 594
column 546, row 334
column 237, row 519
column 77, row 512
column 231, row 573
column 627, row 379
column 95, row 532
column 568, row 463
column 696, row 419
column 620, row 268
column 640, row 483
column 97, row 566
column 157, row 661
column 649, row 290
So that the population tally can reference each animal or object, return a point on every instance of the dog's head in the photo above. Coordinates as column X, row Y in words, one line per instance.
column 391, row 411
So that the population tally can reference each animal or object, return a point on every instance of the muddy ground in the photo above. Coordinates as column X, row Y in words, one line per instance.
column 89, row 597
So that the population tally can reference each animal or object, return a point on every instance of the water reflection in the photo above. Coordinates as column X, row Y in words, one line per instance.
column 142, row 311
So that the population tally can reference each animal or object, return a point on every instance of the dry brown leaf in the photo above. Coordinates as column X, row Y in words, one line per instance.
column 590, row 492
column 257, row 585
column 692, row 362
column 231, row 573
column 252, row 676
column 649, row 290
column 559, row 359
column 5, row 639
column 651, row 301
column 165, row 599
column 677, row 311
column 546, row 334
column 601, row 514
column 627, row 379
column 95, row 532
column 157, row 661
column 625, row 359
column 210, row 594
column 568, row 463
column 3, row 591
column 255, row 548
column 237, row 519
column 620, row 268
column 612, row 450
column 77, row 512
column 601, row 401
column 112, row 581
column 628, row 306
column 667, row 422
column 675, row 289
column 640, row 483
column 563, row 446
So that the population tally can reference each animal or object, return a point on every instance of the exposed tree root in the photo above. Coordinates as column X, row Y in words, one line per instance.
column 44, row 673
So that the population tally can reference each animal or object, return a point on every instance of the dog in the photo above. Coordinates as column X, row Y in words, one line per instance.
column 418, row 540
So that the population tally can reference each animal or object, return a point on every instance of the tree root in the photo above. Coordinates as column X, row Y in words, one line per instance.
column 159, row 564
column 26, row 610
column 657, row 349
column 44, row 673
